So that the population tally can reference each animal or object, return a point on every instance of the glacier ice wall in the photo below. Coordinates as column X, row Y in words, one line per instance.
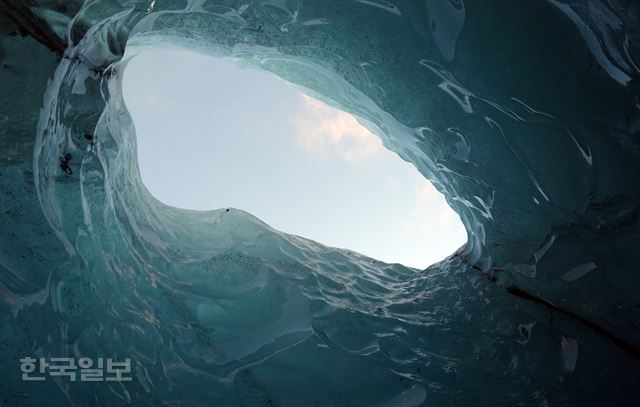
column 524, row 114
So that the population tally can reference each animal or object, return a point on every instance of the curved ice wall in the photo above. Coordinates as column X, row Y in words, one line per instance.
column 524, row 114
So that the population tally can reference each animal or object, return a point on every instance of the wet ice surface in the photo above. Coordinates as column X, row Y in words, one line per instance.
column 517, row 117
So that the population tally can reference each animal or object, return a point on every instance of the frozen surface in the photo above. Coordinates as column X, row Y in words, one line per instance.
column 527, row 124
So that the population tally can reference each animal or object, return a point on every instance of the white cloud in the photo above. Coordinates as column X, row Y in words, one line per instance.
column 323, row 127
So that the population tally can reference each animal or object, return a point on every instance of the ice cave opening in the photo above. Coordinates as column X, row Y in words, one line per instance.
column 212, row 134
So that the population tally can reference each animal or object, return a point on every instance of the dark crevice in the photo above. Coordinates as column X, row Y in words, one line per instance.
column 520, row 293
column 36, row 27
column 619, row 342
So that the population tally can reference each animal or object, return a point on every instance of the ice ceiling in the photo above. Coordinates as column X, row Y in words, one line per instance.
column 524, row 114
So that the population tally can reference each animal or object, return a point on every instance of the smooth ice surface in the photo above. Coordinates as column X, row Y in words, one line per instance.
column 211, row 135
column 524, row 114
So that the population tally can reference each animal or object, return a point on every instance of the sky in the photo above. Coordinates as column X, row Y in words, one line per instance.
column 213, row 135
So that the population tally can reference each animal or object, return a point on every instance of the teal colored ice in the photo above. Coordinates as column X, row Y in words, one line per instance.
column 525, row 115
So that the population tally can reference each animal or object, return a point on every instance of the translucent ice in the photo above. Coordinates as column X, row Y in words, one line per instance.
column 525, row 115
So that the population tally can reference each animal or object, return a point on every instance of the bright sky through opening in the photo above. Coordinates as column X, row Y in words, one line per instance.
column 212, row 135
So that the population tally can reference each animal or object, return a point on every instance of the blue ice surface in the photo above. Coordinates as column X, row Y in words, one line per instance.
column 524, row 114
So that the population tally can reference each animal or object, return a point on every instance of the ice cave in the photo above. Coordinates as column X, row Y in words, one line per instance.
column 525, row 115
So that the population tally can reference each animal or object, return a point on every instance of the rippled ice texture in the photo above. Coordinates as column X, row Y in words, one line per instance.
column 524, row 114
